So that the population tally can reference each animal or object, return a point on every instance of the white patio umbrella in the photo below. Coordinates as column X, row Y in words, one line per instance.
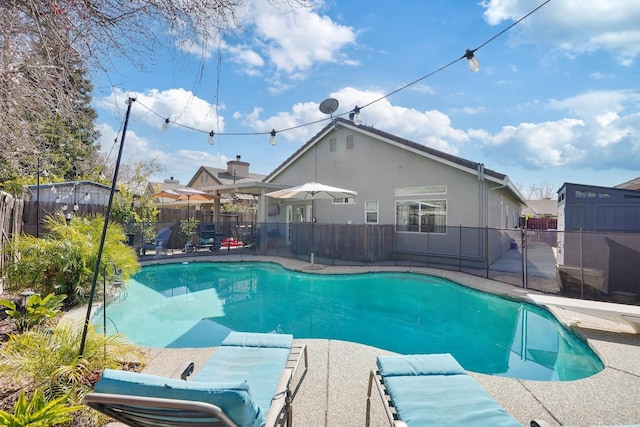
column 312, row 191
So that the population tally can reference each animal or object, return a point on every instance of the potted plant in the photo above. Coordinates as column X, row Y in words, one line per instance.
column 188, row 230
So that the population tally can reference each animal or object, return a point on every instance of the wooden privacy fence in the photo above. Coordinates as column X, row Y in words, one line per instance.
column 352, row 242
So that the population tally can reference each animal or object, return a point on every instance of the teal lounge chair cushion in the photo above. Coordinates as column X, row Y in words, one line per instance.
column 257, row 358
column 434, row 390
column 252, row 339
column 419, row 364
column 235, row 399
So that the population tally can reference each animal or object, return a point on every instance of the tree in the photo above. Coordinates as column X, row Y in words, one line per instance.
column 49, row 47
column 540, row 191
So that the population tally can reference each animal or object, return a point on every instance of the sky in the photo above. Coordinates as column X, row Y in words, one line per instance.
column 556, row 98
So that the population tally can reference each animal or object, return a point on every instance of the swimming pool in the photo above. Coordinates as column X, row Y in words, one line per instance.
column 197, row 304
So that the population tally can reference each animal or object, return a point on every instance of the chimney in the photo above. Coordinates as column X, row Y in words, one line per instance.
column 237, row 168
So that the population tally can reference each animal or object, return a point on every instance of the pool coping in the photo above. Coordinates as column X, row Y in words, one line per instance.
column 333, row 392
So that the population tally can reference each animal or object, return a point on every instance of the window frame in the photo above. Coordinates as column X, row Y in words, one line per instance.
column 368, row 211
column 419, row 219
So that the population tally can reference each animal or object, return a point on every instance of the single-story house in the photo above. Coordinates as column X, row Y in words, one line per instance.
column 433, row 200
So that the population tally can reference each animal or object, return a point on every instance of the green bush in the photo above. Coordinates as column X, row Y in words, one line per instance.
column 37, row 411
column 49, row 358
column 64, row 261
column 37, row 311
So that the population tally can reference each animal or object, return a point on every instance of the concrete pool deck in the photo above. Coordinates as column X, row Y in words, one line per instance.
column 333, row 391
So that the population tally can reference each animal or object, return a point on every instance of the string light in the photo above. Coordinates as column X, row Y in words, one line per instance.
column 474, row 65
column 354, row 115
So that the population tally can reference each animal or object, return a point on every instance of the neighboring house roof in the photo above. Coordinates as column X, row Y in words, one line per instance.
column 633, row 184
column 437, row 155
column 223, row 177
column 541, row 208
column 168, row 184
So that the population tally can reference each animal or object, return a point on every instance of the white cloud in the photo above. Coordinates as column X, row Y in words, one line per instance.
column 283, row 42
column 182, row 163
column 431, row 128
column 422, row 88
column 592, row 103
column 574, row 26
column 180, row 106
column 603, row 132
column 537, row 145
column 298, row 39
column 135, row 148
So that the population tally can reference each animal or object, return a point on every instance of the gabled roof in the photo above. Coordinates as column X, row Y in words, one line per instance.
column 544, row 207
column 633, row 184
column 223, row 177
column 440, row 156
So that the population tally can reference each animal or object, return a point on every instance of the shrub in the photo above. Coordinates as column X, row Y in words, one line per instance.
column 37, row 311
column 49, row 358
column 64, row 261
column 37, row 411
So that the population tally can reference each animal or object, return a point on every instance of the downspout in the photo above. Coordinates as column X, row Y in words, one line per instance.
column 481, row 195
column 482, row 217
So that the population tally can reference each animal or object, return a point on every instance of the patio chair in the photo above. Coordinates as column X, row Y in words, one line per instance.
column 160, row 243
column 433, row 389
column 246, row 382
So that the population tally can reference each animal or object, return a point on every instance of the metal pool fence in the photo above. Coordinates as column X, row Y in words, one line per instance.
column 583, row 264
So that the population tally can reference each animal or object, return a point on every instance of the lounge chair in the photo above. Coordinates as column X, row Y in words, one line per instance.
column 160, row 243
column 246, row 382
column 433, row 390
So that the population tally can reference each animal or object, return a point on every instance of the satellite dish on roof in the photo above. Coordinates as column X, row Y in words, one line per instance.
column 328, row 106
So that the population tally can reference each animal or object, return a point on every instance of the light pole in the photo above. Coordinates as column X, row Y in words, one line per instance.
column 96, row 272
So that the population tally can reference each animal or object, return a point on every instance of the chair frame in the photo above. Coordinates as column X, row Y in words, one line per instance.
column 376, row 379
column 141, row 411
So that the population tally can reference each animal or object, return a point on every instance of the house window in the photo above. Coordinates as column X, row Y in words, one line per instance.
column 422, row 216
column 344, row 201
column 371, row 211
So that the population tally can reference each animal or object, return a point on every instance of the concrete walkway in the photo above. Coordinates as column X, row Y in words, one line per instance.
column 334, row 390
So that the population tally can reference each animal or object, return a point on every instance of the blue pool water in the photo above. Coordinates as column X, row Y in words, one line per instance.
column 196, row 305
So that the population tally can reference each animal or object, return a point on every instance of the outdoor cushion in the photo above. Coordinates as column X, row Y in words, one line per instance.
column 257, row 358
column 419, row 364
column 434, row 390
column 251, row 339
column 235, row 399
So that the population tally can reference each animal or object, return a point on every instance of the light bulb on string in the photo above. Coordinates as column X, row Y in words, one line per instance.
column 474, row 64
column 272, row 138
column 355, row 116
column 211, row 136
